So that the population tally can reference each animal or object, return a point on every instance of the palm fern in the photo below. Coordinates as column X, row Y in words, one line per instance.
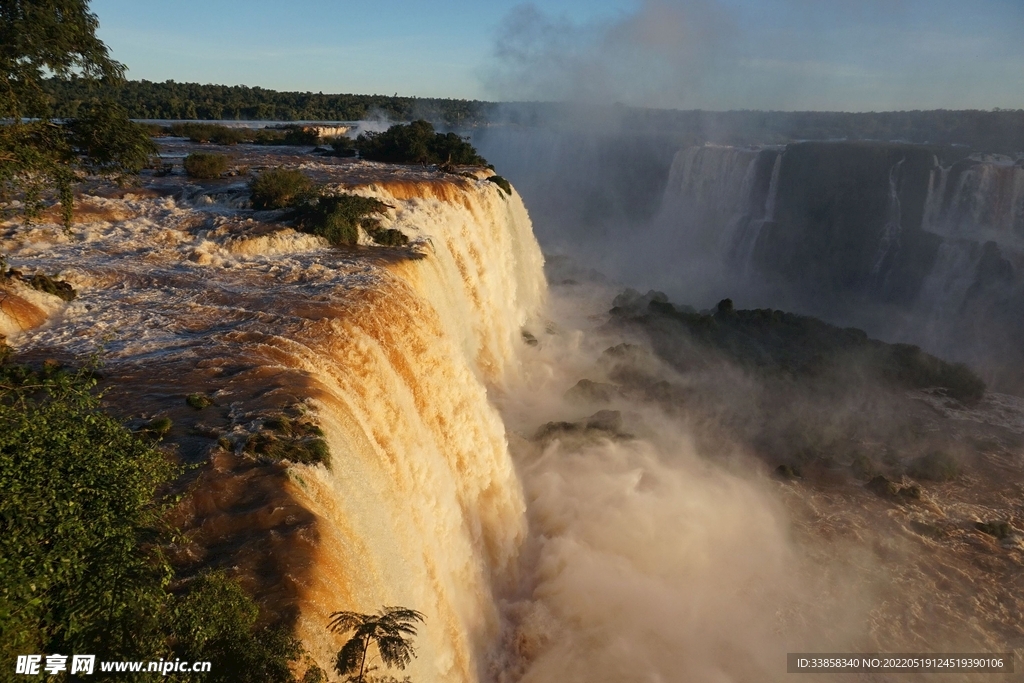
column 391, row 629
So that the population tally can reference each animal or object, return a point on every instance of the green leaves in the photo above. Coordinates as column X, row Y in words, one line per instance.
column 78, row 500
column 391, row 629
column 81, row 534
column 42, row 38
column 417, row 143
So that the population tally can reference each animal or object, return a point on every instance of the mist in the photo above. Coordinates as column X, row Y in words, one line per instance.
column 661, row 545
column 695, row 517
column 789, row 55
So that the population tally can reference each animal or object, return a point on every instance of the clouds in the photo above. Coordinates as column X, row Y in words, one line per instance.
column 663, row 54
column 761, row 54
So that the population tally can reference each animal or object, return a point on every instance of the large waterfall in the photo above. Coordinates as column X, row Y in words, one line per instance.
column 393, row 354
column 841, row 229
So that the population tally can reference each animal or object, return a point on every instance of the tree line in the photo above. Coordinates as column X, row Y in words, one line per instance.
column 191, row 101
column 991, row 131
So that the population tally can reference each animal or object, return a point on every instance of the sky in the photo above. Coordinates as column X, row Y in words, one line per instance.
column 849, row 55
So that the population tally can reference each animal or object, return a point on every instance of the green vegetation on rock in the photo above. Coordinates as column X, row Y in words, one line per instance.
column 82, row 567
column 502, row 183
column 279, row 188
column 773, row 341
column 205, row 166
column 285, row 439
column 338, row 217
column 198, row 401
column 417, row 143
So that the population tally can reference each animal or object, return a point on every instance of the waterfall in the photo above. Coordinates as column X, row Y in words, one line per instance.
column 985, row 201
column 893, row 230
column 423, row 507
column 708, row 189
column 747, row 238
column 392, row 352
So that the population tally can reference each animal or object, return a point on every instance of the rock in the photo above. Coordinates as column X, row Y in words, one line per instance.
column 17, row 314
column 913, row 492
column 883, row 487
column 999, row 530
column 788, row 472
column 936, row 466
column 607, row 420
column 587, row 391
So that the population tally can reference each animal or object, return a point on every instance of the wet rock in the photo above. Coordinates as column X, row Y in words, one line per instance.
column 935, row 466
column 607, row 420
column 926, row 529
column 998, row 529
column 587, row 391
column 788, row 472
column 913, row 492
column 883, row 487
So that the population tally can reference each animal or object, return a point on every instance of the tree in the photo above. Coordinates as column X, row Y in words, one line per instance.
column 391, row 629
column 417, row 143
column 41, row 38
column 83, row 566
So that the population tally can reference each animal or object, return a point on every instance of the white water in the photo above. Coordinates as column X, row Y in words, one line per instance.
column 893, row 230
column 422, row 507
column 746, row 242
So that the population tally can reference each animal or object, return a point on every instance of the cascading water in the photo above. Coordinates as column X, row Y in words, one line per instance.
column 747, row 235
column 391, row 352
column 893, row 230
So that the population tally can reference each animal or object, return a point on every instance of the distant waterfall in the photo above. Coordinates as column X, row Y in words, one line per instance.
column 718, row 199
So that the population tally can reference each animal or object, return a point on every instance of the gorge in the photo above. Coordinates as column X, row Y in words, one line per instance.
column 568, row 494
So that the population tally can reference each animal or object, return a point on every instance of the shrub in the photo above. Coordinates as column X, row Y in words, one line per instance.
column 417, row 143
column 337, row 218
column 73, row 574
column 81, row 568
column 203, row 165
column 344, row 147
column 502, row 183
column 216, row 621
column 278, row 188
column 388, row 237
column 298, row 135
column 198, row 401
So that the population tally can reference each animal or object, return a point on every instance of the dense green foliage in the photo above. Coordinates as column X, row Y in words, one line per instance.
column 227, row 135
column 417, row 143
column 278, row 188
column 204, row 165
column 189, row 101
column 996, row 131
column 81, row 567
column 77, row 510
column 337, row 218
column 766, row 340
column 391, row 629
column 387, row 237
column 216, row 621
column 37, row 156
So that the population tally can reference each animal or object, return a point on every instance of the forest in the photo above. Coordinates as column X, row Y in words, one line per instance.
column 999, row 131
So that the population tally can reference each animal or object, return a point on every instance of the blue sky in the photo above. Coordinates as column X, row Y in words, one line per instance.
column 714, row 54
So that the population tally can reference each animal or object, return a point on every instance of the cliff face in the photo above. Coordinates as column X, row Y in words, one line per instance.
column 391, row 351
column 935, row 237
